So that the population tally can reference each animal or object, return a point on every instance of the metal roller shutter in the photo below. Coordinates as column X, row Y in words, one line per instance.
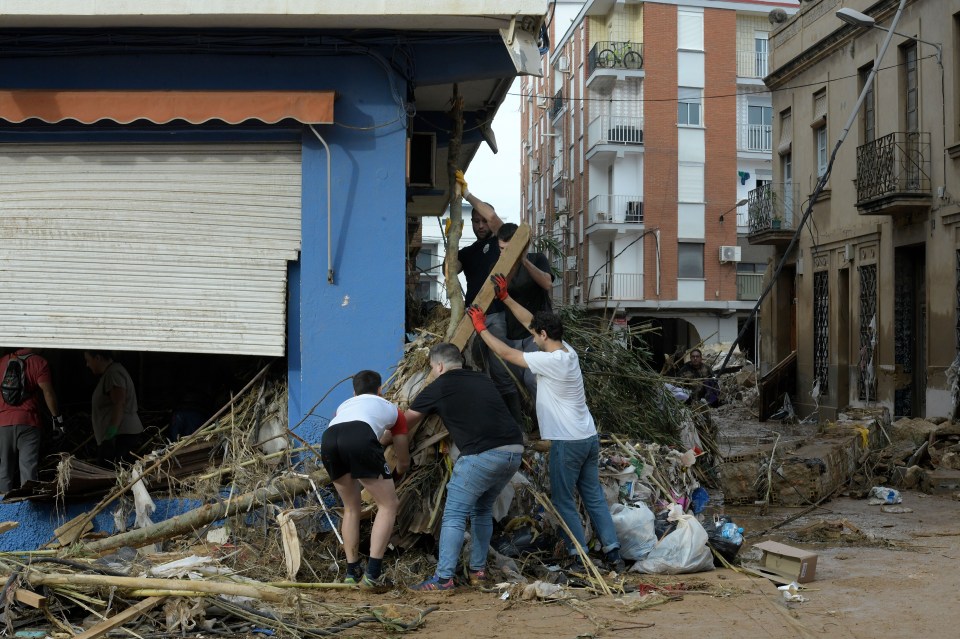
column 156, row 247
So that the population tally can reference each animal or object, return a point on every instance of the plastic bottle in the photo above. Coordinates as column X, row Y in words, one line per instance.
column 732, row 532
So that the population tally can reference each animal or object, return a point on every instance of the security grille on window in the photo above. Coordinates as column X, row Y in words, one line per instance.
column 688, row 106
column 821, row 330
column 867, row 379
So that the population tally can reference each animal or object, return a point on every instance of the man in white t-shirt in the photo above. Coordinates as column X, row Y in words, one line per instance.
column 564, row 419
column 351, row 450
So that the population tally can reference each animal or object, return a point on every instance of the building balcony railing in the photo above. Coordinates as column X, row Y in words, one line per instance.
column 616, row 287
column 893, row 174
column 751, row 64
column 557, row 105
column 615, row 209
column 749, row 286
column 771, row 208
column 609, row 54
column 615, row 129
column 755, row 137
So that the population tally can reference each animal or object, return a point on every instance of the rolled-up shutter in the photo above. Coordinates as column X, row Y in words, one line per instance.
column 156, row 247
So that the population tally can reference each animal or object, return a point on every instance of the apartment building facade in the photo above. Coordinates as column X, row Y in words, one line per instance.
column 870, row 300
column 642, row 140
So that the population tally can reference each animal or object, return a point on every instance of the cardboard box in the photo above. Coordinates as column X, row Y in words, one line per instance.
column 787, row 563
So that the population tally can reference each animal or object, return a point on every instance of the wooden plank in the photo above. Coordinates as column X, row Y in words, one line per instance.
column 73, row 530
column 7, row 526
column 509, row 258
column 30, row 598
column 781, row 379
column 120, row 618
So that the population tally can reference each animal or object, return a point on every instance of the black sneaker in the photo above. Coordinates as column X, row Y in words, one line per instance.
column 615, row 561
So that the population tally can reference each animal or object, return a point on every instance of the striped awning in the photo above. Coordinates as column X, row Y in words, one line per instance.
column 161, row 107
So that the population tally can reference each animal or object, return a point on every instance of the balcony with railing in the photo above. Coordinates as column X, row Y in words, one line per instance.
column 557, row 168
column 893, row 174
column 610, row 136
column 615, row 287
column 771, row 210
column 556, row 106
column 755, row 138
column 612, row 214
column 610, row 60
column 749, row 286
column 752, row 64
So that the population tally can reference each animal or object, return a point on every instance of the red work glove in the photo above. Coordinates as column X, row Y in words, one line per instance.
column 500, row 286
column 478, row 317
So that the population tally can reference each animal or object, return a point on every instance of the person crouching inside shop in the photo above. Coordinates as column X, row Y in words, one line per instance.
column 116, row 425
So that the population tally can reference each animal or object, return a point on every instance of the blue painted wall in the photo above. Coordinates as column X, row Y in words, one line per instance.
column 334, row 329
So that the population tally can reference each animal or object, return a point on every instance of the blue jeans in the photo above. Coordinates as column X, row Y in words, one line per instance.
column 473, row 487
column 575, row 463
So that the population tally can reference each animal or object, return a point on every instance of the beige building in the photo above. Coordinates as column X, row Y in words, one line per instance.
column 870, row 298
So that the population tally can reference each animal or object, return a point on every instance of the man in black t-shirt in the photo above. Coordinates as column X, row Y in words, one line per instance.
column 490, row 447
column 477, row 262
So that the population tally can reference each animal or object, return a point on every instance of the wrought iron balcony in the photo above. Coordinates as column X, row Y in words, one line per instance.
column 770, row 213
column 557, row 105
column 893, row 174
column 609, row 54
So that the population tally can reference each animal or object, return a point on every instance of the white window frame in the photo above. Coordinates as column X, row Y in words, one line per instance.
column 821, row 146
column 685, row 103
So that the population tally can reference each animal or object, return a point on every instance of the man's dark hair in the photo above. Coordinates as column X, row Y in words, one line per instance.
column 102, row 354
column 549, row 322
column 697, row 351
column 366, row 383
column 447, row 353
column 505, row 234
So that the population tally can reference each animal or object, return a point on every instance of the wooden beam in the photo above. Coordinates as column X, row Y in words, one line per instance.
column 509, row 257
column 120, row 618
column 7, row 526
column 30, row 598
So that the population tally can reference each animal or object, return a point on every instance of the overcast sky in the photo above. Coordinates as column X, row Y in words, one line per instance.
column 496, row 178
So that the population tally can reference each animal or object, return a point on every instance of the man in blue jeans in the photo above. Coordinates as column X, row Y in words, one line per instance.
column 564, row 419
column 490, row 447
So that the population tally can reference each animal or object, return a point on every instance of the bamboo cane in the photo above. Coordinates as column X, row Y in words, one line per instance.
column 258, row 591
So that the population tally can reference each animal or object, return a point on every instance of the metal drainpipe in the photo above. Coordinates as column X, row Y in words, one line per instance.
column 329, row 209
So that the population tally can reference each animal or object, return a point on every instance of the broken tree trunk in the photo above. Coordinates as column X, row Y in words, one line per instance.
column 255, row 591
column 194, row 519
column 451, row 260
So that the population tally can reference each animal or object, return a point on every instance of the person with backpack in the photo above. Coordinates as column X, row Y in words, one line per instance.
column 26, row 377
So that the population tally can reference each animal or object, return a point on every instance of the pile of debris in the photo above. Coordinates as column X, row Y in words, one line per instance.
column 921, row 453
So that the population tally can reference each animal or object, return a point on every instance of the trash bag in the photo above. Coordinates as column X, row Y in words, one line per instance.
column 682, row 551
column 634, row 526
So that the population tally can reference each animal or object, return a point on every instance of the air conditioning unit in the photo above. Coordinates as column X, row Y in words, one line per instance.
column 571, row 262
column 542, row 102
column 535, row 165
column 561, row 204
column 563, row 64
column 729, row 254
column 562, row 221
column 575, row 293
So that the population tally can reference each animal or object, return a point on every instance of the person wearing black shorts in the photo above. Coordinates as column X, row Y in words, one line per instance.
column 351, row 450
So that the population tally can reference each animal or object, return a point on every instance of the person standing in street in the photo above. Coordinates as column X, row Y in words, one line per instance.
column 21, row 420
column 351, row 450
column 565, row 421
column 490, row 446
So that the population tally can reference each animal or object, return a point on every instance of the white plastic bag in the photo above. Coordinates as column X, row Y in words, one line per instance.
column 682, row 551
column 635, row 531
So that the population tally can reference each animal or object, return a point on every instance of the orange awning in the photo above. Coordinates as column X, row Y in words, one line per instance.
column 160, row 107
